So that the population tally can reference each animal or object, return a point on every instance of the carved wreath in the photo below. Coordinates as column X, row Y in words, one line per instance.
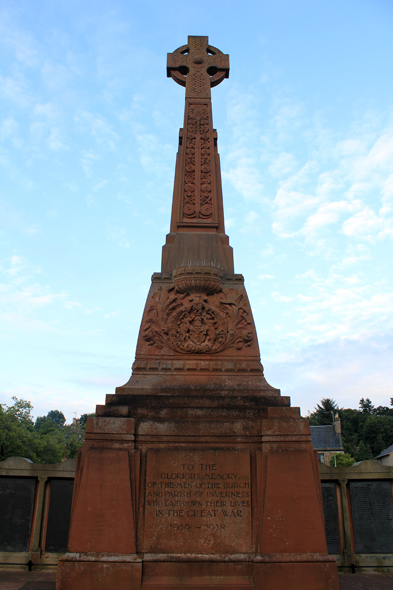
column 194, row 324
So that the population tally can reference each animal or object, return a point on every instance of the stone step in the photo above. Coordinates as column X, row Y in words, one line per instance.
column 198, row 583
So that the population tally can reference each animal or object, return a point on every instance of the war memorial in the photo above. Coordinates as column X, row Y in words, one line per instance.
column 197, row 473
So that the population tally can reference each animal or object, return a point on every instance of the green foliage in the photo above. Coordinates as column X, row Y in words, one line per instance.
column 51, row 422
column 383, row 411
column 365, row 432
column 324, row 412
column 17, row 437
column 56, row 417
column 20, row 410
column 50, row 447
column 74, row 436
column 48, row 440
column 341, row 460
column 366, row 405
column 44, row 426
column 363, row 452
column 83, row 419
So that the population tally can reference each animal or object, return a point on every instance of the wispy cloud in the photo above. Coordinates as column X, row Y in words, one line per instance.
column 18, row 41
column 15, row 90
column 100, row 129
column 282, row 165
column 242, row 163
column 307, row 201
column 152, row 153
column 22, row 296
column 88, row 160
column 344, row 186
column 100, row 185
column 339, row 305
column 345, row 369
column 118, row 235
column 8, row 128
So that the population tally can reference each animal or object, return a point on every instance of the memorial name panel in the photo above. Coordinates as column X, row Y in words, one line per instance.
column 330, row 513
column 372, row 516
column 16, row 512
column 197, row 502
column 59, row 512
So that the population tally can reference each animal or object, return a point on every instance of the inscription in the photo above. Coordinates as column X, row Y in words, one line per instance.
column 372, row 516
column 59, row 515
column 16, row 514
column 331, row 516
column 198, row 501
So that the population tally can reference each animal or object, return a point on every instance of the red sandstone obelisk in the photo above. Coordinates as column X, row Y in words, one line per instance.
column 197, row 473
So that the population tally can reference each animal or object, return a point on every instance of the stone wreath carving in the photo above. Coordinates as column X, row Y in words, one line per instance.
column 194, row 323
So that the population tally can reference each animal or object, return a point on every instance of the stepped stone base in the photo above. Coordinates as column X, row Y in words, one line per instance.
column 195, row 491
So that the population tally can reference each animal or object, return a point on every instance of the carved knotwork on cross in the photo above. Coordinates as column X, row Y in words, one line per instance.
column 198, row 66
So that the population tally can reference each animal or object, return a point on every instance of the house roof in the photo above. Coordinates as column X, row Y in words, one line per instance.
column 325, row 438
column 385, row 452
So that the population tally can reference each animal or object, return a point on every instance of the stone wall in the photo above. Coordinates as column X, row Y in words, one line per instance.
column 35, row 505
column 358, row 508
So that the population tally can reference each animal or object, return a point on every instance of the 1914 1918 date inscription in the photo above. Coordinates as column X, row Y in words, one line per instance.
column 197, row 502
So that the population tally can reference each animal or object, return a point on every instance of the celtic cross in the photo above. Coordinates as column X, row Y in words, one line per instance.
column 197, row 196
column 198, row 66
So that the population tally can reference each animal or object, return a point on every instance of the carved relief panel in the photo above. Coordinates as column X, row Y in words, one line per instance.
column 189, row 323
column 197, row 196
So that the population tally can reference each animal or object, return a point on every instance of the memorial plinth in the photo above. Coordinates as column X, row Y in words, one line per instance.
column 197, row 473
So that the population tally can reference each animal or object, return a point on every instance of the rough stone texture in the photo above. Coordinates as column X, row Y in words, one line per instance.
column 197, row 473
column 42, row 474
column 23, row 580
column 197, row 329
column 14, row 579
column 366, row 472
column 365, row 581
column 213, row 510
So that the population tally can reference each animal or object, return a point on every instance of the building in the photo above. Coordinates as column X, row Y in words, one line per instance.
column 327, row 440
column 386, row 457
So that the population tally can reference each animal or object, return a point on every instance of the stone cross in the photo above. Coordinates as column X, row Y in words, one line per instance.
column 198, row 66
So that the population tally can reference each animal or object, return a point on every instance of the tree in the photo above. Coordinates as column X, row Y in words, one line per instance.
column 74, row 437
column 83, row 419
column 324, row 412
column 44, row 426
column 366, row 405
column 383, row 411
column 51, row 447
column 363, row 453
column 56, row 417
column 374, row 433
column 341, row 460
column 373, row 426
column 48, row 440
column 62, row 441
column 350, row 427
column 53, row 420
column 21, row 410
column 17, row 436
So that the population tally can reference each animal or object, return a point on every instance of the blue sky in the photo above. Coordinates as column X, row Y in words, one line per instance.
column 88, row 137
